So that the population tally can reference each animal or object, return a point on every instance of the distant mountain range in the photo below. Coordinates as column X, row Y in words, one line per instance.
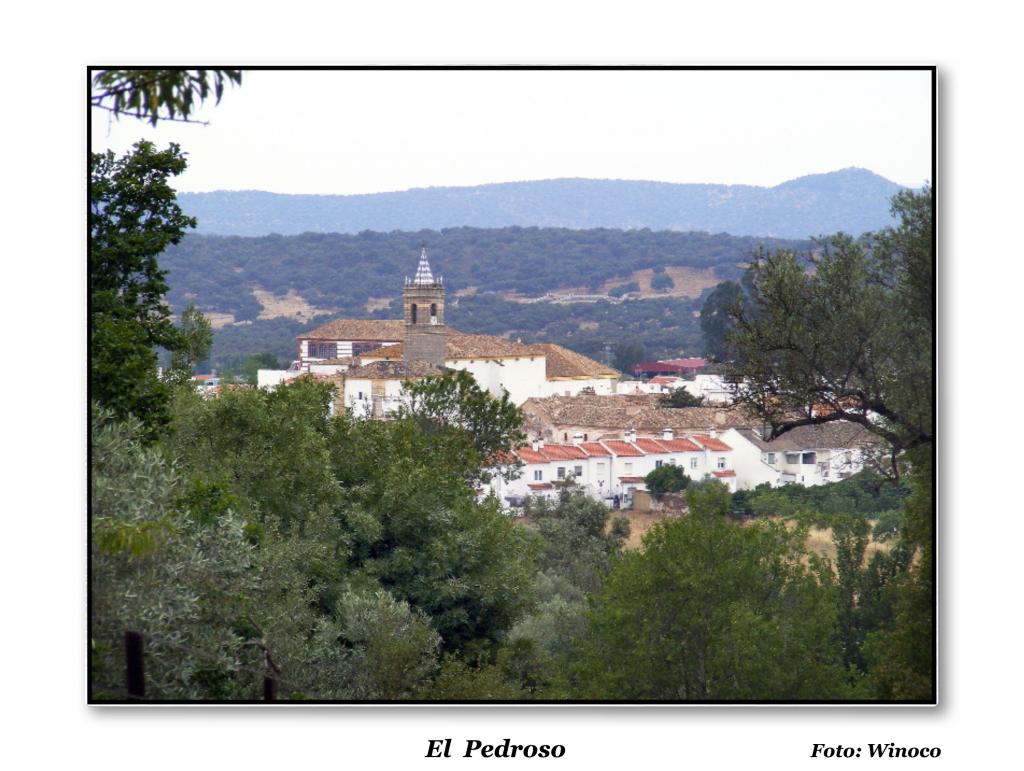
column 852, row 200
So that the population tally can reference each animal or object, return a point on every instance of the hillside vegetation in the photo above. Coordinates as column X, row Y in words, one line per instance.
column 851, row 200
column 336, row 275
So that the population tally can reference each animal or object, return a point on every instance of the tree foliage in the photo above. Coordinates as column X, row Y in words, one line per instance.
column 851, row 339
column 716, row 318
column 710, row 610
column 668, row 478
column 680, row 397
column 133, row 217
column 155, row 95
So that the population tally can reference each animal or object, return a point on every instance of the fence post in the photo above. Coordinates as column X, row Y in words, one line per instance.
column 135, row 678
column 269, row 688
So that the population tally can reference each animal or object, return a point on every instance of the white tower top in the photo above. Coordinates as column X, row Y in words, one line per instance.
column 423, row 274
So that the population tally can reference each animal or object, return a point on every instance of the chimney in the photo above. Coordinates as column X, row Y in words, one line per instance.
column 540, row 444
column 668, row 434
column 577, row 438
column 713, row 433
column 536, row 445
column 630, row 435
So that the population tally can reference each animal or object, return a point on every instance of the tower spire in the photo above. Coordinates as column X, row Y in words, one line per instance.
column 423, row 274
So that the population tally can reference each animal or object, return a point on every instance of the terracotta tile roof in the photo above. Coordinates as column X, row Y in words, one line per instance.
column 680, row 445
column 619, row 412
column 380, row 330
column 530, row 455
column 564, row 452
column 664, row 379
column 393, row 370
column 622, row 449
column 710, row 443
column 561, row 362
column 650, row 445
column 693, row 361
column 728, row 473
column 594, row 448
column 633, row 480
column 541, row 486
column 460, row 346
column 834, row 435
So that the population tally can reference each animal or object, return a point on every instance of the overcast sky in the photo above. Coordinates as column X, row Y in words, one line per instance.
column 372, row 131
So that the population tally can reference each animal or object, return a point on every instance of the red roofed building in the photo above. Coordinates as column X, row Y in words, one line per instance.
column 669, row 367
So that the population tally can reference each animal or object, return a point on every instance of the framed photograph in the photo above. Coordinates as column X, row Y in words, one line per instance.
column 512, row 385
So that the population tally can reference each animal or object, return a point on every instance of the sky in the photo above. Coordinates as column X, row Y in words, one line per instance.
column 346, row 132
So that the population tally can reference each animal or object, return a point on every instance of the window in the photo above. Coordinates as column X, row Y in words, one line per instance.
column 809, row 458
column 578, row 472
column 356, row 349
column 657, row 464
column 538, row 475
column 629, row 468
column 848, row 457
column 693, row 462
column 561, row 472
column 721, row 461
column 792, row 457
column 433, row 313
column 600, row 469
column 771, row 459
column 414, row 313
column 823, row 469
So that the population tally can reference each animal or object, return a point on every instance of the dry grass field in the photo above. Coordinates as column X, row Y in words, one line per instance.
column 819, row 540
column 290, row 305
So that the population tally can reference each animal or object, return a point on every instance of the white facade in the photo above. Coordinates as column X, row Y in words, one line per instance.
column 802, row 457
column 615, row 467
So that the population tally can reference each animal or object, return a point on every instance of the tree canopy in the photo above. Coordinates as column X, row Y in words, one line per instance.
column 155, row 95
column 133, row 217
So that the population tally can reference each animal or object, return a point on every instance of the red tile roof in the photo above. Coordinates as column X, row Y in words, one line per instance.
column 729, row 473
column 693, row 361
column 663, row 379
column 633, row 480
column 541, row 486
column 622, row 448
column 595, row 448
column 712, row 444
column 649, row 445
column 530, row 455
column 564, row 452
column 680, row 445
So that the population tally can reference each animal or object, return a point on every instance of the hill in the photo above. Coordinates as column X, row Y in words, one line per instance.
column 261, row 292
column 852, row 200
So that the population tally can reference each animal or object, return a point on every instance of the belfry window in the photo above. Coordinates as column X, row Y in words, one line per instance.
column 433, row 313
column 414, row 313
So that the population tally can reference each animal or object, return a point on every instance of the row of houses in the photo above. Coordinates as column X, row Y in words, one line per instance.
column 740, row 458
column 607, row 468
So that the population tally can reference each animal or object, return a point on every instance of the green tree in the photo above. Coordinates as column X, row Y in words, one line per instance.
column 479, row 430
column 680, row 397
column 133, row 217
column 855, row 335
column 155, row 95
column 709, row 609
column 195, row 339
column 660, row 281
column 628, row 354
column 252, row 365
column 666, row 479
column 716, row 321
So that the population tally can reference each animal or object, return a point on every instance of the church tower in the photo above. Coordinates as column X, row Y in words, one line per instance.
column 425, row 332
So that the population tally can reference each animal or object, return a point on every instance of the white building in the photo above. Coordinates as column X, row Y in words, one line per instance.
column 614, row 467
column 808, row 455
